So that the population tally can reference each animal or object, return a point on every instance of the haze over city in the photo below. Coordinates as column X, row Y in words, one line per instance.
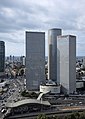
column 18, row 16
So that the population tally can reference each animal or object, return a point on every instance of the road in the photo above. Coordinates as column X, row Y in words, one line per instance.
column 16, row 85
column 12, row 94
column 48, row 113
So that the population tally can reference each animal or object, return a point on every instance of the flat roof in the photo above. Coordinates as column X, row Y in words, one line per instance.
column 62, row 36
column 35, row 32
column 55, row 29
column 27, row 101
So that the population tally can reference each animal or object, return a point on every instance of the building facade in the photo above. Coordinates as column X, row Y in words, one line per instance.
column 52, row 56
column 66, row 63
column 53, row 89
column 35, row 59
column 2, row 56
column 23, row 60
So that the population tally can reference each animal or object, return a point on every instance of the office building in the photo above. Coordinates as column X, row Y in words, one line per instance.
column 23, row 60
column 66, row 62
column 52, row 56
column 2, row 57
column 10, row 58
column 35, row 59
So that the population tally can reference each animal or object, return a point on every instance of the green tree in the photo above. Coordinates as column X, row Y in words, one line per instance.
column 82, row 115
column 42, row 116
column 65, row 117
column 77, row 115
column 73, row 116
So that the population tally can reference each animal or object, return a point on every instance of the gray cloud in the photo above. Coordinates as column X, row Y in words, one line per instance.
column 16, row 16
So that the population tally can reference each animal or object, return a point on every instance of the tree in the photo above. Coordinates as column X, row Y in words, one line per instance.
column 82, row 116
column 73, row 116
column 77, row 115
column 42, row 116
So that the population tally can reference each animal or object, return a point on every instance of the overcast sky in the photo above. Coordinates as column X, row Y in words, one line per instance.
column 17, row 16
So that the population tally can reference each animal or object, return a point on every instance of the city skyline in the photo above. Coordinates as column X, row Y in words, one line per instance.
column 16, row 17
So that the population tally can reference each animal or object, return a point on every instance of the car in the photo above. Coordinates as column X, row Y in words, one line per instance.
column 19, row 91
column 3, row 110
column 80, row 103
column 75, row 104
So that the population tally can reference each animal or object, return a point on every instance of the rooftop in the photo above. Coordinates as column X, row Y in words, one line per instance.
column 27, row 101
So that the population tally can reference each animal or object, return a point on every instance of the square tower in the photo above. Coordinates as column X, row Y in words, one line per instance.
column 35, row 59
column 66, row 63
column 2, row 56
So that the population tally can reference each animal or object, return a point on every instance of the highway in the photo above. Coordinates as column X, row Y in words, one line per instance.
column 63, row 104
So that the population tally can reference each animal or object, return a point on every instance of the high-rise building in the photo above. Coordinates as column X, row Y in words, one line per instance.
column 2, row 57
column 52, row 56
column 35, row 59
column 23, row 60
column 66, row 62
column 10, row 58
column 13, row 58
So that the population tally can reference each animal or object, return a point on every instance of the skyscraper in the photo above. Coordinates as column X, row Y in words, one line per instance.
column 66, row 62
column 35, row 59
column 23, row 60
column 52, row 56
column 2, row 57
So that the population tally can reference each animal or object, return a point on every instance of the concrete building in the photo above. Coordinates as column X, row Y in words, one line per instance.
column 2, row 57
column 35, row 59
column 51, row 87
column 66, row 62
column 62, row 60
column 23, row 60
column 52, row 56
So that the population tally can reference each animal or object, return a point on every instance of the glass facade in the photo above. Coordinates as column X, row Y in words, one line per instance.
column 2, row 56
